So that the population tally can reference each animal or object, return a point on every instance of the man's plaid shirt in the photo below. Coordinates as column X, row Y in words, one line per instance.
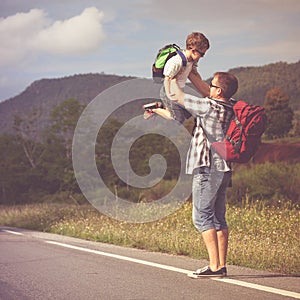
column 214, row 117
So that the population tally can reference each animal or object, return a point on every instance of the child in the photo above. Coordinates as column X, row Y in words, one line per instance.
column 196, row 46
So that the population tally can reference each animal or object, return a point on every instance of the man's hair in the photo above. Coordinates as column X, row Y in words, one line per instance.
column 228, row 83
column 197, row 40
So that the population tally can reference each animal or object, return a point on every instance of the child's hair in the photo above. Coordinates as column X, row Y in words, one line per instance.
column 197, row 40
column 228, row 83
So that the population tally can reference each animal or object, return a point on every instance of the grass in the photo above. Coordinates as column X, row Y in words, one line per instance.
column 270, row 182
column 260, row 237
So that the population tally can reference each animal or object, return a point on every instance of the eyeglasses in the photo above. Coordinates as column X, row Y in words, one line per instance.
column 200, row 53
column 215, row 86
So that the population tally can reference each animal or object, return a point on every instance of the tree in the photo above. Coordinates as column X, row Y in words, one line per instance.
column 13, row 170
column 64, row 118
column 280, row 115
column 27, row 130
column 58, row 141
column 33, row 165
column 296, row 124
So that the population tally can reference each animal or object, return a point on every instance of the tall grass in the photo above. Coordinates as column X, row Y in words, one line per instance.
column 270, row 182
column 260, row 237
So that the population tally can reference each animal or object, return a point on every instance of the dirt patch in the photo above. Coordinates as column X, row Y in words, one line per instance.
column 273, row 152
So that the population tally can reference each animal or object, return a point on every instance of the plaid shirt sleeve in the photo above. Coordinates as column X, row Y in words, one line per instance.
column 195, row 105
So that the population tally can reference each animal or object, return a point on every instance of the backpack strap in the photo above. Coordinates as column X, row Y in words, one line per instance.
column 228, row 104
column 184, row 62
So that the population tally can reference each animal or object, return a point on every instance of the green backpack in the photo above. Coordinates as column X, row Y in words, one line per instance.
column 164, row 54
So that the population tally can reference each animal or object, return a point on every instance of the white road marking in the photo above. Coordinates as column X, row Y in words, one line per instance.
column 12, row 232
column 179, row 270
column 260, row 287
column 138, row 261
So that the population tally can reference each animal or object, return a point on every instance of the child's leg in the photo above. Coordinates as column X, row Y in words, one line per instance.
column 180, row 113
column 167, row 112
column 172, row 110
column 163, row 112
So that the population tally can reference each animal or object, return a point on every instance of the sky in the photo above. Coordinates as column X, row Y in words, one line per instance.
column 58, row 38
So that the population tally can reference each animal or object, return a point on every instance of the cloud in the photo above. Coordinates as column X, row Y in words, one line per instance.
column 16, row 32
column 79, row 34
column 25, row 34
column 64, row 37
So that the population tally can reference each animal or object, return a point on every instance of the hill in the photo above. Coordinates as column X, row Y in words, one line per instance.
column 254, row 82
column 43, row 94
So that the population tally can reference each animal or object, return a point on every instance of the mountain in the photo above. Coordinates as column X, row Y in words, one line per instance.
column 254, row 82
column 43, row 94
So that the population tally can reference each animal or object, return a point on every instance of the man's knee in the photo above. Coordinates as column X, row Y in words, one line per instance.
column 203, row 224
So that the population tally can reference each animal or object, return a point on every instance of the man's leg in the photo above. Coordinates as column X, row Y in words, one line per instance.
column 220, row 220
column 210, row 239
column 205, row 187
column 222, row 236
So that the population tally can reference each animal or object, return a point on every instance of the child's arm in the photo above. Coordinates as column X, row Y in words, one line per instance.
column 177, row 92
column 167, row 84
column 199, row 84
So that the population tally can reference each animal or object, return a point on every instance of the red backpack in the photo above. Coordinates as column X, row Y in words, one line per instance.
column 244, row 133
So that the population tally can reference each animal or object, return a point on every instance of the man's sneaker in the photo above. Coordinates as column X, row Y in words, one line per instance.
column 207, row 272
column 224, row 270
column 148, row 114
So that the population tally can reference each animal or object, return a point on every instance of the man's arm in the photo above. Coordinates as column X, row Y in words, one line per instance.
column 199, row 84
column 195, row 105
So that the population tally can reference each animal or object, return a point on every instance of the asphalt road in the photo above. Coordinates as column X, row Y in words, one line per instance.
column 36, row 265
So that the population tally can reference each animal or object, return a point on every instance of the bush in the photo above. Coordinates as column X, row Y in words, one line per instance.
column 270, row 182
column 147, row 194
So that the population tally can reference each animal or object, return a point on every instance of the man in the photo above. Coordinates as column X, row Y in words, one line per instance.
column 212, row 174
